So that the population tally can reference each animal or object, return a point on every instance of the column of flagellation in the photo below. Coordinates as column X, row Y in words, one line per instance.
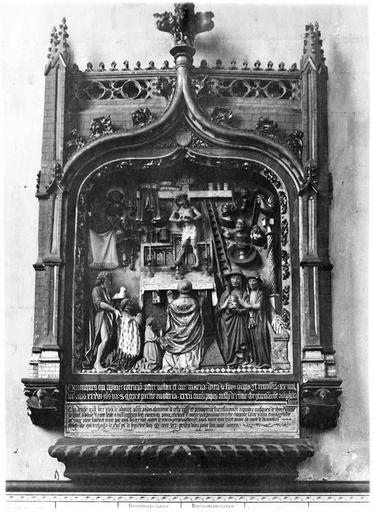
column 315, row 297
column 45, row 361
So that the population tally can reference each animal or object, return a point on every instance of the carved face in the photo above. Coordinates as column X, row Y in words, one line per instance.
column 236, row 281
column 182, row 202
column 253, row 283
column 240, row 224
column 107, row 283
column 225, row 209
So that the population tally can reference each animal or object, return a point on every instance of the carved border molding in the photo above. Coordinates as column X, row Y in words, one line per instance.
column 276, row 497
column 93, row 459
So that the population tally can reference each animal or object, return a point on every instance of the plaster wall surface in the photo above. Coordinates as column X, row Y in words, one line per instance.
column 108, row 31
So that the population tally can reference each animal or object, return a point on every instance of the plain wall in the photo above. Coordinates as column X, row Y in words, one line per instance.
column 114, row 31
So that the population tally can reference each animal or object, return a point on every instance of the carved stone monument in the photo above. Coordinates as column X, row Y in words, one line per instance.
column 222, row 378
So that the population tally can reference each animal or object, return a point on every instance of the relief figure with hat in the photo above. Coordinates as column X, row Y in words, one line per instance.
column 263, row 321
column 232, row 321
column 259, row 311
column 246, row 321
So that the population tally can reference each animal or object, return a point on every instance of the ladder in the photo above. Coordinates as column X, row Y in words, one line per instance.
column 222, row 261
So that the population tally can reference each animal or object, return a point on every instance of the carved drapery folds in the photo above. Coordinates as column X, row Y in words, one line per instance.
column 263, row 230
column 111, row 190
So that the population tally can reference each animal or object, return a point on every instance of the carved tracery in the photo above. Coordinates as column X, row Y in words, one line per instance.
column 198, row 186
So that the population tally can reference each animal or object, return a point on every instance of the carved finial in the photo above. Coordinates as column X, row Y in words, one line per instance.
column 62, row 37
column 257, row 65
column 184, row 24
column 137, row 65
column 269, row 66
column 312, row 49
column 75, row 67
column 53, row 41
column 113, row 66
column 310, row 183
column 245, row 64
column 165, row 65
column 294, row 67
column 203, row 64
column 219, row 64
column 89, row 67
column 57, row 170
column 281, row 66
column 101, row 66
column 126, row 65
column 58, row 46
column 151, row 65
column 38, row 178
column 233, row 64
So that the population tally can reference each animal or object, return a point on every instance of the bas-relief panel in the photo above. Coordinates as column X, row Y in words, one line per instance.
column 182, row 271
column 185, row 288
column 164, row 256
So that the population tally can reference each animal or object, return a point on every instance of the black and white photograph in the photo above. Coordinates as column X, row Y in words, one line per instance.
column 186, row 255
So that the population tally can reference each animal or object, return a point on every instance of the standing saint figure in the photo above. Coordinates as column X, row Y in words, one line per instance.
column 102, row 323
column 259, row 315
column 232, row 324
column 183, row 338
column 187, row 216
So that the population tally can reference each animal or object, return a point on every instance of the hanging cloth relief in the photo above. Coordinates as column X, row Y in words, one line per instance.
column 102, row 250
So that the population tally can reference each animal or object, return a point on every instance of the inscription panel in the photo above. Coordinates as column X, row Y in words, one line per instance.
column 182, row 409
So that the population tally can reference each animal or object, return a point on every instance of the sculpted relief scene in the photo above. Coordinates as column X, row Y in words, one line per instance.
column 179, row 270
column 183, row 278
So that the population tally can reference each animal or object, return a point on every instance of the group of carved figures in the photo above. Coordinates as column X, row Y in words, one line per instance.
column 114, row 330
column 244, row 317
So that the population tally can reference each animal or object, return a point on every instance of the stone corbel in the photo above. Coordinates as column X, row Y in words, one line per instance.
column 319, row 406
column 44, row 402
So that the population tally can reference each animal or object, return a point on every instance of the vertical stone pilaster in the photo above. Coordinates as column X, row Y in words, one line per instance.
column 49, row 193
column 314, row 209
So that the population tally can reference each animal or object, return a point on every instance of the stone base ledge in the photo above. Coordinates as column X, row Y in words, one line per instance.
column 184, row 463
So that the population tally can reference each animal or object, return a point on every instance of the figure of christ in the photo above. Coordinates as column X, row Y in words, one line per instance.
column 102, row 326
column 187, row 217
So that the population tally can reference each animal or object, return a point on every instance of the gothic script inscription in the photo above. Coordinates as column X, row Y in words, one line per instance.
column 182, row 409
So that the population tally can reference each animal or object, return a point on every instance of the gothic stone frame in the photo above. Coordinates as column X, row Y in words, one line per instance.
column 296, row 167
